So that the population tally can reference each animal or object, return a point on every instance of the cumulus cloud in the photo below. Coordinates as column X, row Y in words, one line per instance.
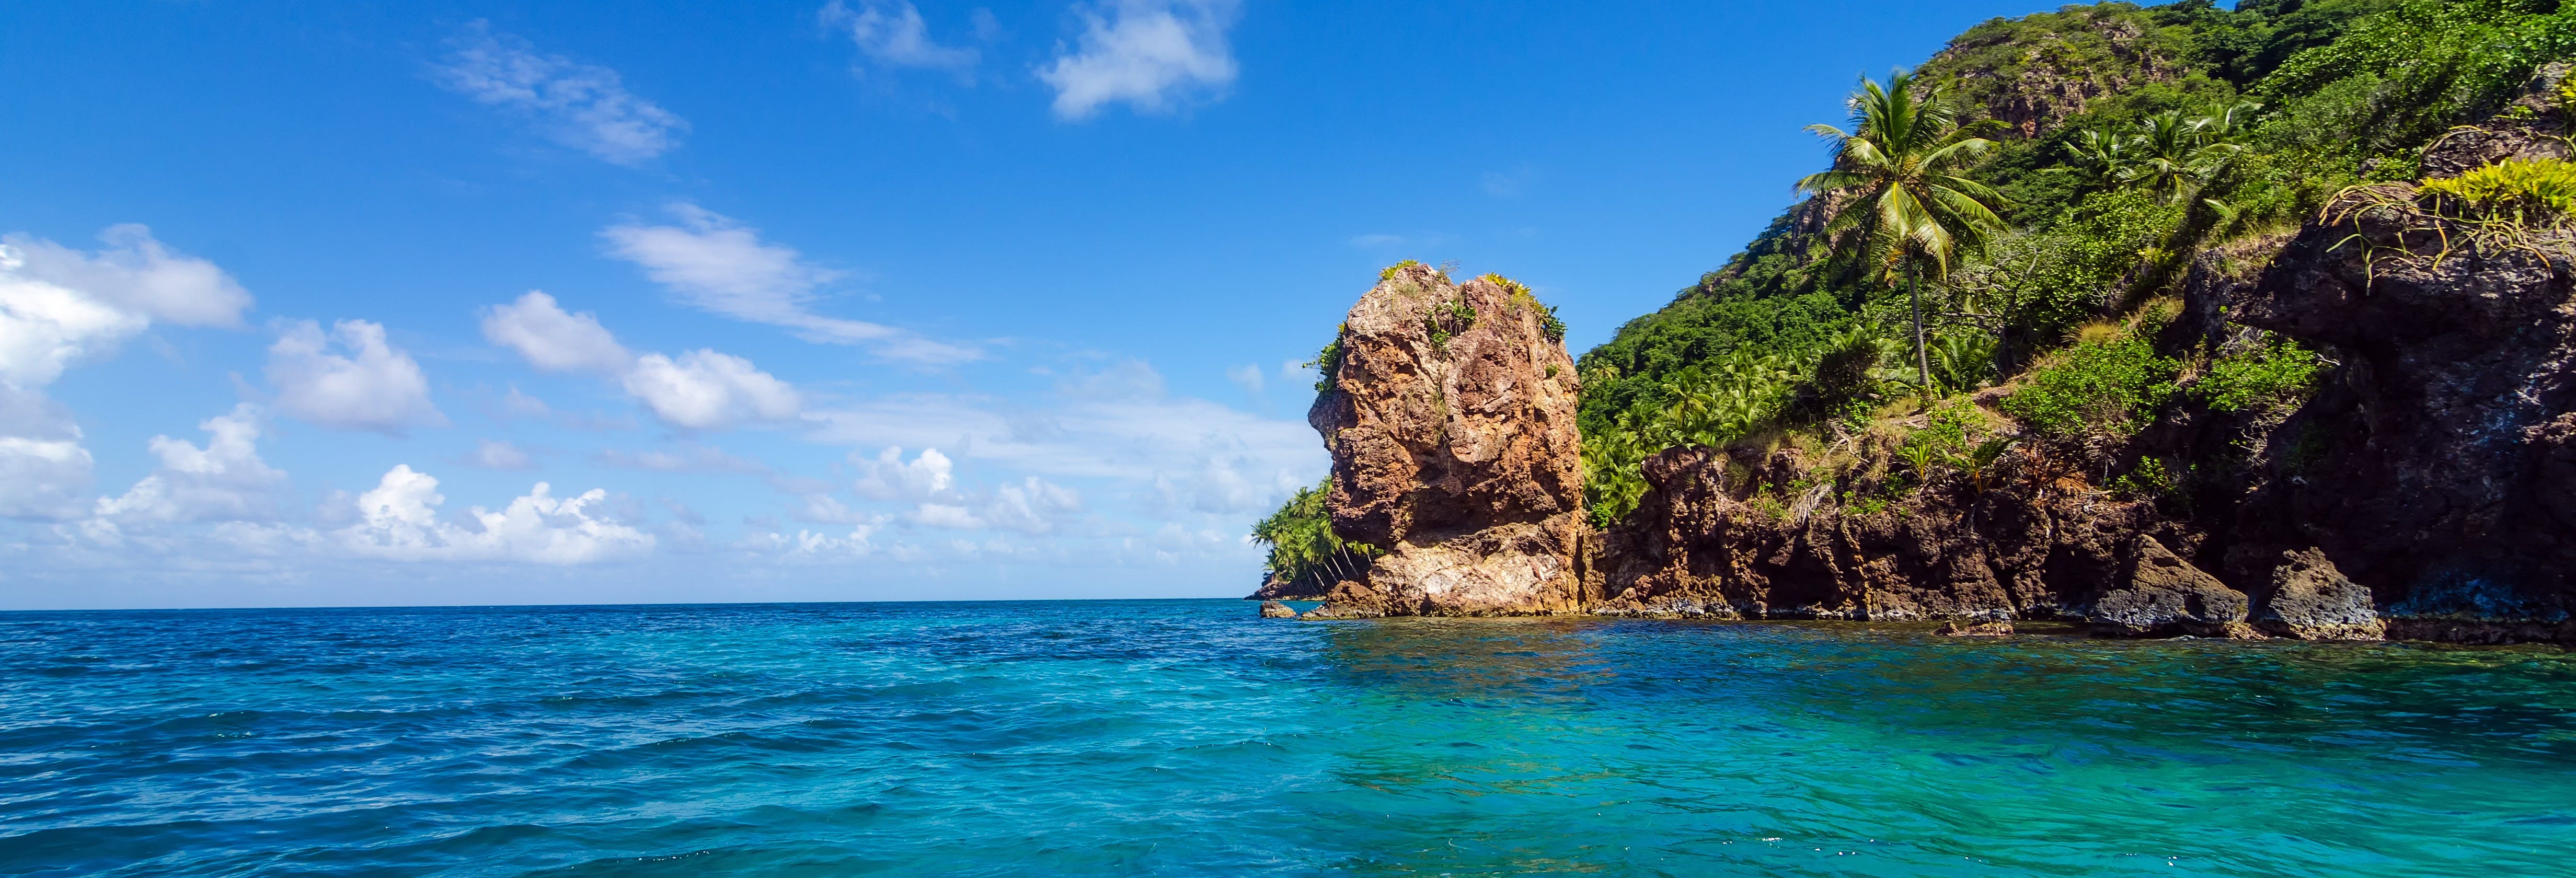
column 719, row 265
column 582, row 106
column 499, row 455
column 350, row 378
column 703, row 389
column 1147, row 53
column 551, row 339
column 225, row 480
column 891, row 33
column 698, row 390
column 59, row 306
column 1032, row 505
column 398, row 520
column 890, row 477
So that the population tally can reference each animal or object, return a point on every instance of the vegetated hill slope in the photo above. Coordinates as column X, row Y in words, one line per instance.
column 2166, row 354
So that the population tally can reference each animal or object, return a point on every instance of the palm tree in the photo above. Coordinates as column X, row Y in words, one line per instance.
column 1910, row 209
column 2177, row 155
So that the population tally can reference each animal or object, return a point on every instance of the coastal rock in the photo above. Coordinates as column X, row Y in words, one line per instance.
column 1277, row 610
column 2311, row 600
column 2165, row 596
column 2434, row 464
column 1450, row 419
column 1976, row 629
column 1731, row 534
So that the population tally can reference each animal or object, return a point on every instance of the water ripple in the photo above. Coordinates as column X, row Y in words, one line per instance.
column 1185, row 737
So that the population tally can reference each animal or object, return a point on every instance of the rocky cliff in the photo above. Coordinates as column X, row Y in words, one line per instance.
column 1449, row 413
column 2427, row 490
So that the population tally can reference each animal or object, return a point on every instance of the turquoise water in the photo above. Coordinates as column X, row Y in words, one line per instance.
column 1188, row 738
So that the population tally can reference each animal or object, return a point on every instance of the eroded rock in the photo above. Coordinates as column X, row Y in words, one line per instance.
column 2165, row 595
column 1277, row 610
column 1450, row 418
column 2311, row 600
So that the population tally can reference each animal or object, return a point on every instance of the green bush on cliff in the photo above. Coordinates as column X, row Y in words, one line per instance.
column 1328, row 362
column 2264, row 379
column 2095, row 388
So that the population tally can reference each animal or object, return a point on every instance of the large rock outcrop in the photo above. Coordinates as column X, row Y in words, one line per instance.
column 2437, row 465
column 1450, row 418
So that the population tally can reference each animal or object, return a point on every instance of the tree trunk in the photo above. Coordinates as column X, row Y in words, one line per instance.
column 1922, row 360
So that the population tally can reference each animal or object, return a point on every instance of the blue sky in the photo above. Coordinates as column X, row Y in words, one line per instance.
column 856, row 300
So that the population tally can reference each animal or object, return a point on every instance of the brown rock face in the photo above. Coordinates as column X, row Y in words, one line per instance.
column 2434, row 465
column 1729, row 537
column 2165, row 595
column 1450, row 418
column 2311, row 600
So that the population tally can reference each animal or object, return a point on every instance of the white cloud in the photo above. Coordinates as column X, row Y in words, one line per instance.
column 889, row 477
column 892, row 33
column 1032, row 505
column 582, row 106
column 398, row 520
column 550, row 339
column 224, row 481
column 1246, row 376
column 947, row 515
column 59, row 306
column 698, row 390
column 688, row 459
column 500, row 455
column 349, row 379
column 42, row 478
column 721, row 266
column 705, row 390
column 1144, row 52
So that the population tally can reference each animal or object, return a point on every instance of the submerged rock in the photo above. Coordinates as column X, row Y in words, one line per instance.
column 1450, row 419
column 1991, row 628
column 1277, row 610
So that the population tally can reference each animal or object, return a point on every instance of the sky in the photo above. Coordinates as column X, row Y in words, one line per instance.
column 442, row 302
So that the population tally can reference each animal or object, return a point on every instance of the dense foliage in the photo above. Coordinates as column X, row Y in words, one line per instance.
column 2128, row 139
column 1303, row 547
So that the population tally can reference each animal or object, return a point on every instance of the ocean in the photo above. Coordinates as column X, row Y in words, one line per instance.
column 1190, row 738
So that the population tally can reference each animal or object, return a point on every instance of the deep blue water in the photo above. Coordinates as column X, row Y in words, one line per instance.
column 1188, row 738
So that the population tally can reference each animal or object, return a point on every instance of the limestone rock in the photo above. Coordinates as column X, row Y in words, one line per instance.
column 1450, row 419
column 2165, row 595
column 1277, row 610
column 2311, row 600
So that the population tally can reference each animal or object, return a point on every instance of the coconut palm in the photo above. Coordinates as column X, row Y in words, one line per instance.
column 1910, row 212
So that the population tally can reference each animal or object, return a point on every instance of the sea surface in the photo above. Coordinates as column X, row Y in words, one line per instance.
column 1189, row 738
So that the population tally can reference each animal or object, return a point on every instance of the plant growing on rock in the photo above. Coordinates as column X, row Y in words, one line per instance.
column 2525, row 192
column 2267, row 379
column 1328, row 362
column 2098, row 388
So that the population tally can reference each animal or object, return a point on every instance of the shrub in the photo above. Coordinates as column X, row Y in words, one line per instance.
column 1328, row 362
column 2267, row 379
column 2098, row 387
column 2517, row 189
column 1389, row 273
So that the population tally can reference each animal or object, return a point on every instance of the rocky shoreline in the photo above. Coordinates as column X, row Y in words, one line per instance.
column 2427, row 491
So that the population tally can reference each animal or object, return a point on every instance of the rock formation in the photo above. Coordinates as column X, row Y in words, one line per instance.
column 2426, row 490
column 1450, row 418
